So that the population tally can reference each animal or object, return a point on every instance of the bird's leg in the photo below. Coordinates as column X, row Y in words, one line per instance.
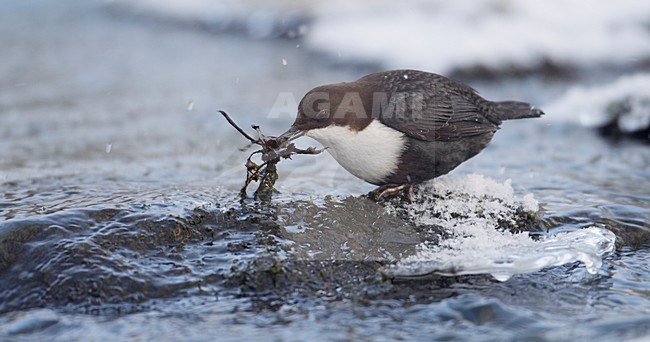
column 386, row 191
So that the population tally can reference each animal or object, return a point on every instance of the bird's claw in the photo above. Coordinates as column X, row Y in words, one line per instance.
column 387, row 191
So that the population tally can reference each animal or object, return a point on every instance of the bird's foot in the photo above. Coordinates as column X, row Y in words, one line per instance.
column 391, row 190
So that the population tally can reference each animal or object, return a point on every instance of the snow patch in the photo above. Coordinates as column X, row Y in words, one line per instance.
column 504, row 255
column 625, row 102
column 473, row 211
column 437, row 35
column 445, row 35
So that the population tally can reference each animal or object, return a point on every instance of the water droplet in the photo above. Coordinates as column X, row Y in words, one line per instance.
column 284, row 61
column 109, row 147
column 297, row 46
column 190, row 105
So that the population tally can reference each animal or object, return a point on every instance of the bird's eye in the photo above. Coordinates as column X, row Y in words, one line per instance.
column 322, row 115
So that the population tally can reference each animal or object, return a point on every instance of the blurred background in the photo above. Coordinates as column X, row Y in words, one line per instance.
column 131, row 88
column 108, row 122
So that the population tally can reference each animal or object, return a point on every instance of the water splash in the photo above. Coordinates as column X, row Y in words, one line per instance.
column 473, row 211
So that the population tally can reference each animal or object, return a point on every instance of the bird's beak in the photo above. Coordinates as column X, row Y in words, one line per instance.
column 292, row 134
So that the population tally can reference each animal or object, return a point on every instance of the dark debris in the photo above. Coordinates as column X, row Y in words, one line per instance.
column 273, row 149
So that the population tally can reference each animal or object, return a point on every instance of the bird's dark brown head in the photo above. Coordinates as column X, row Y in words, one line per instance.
column 342, row 104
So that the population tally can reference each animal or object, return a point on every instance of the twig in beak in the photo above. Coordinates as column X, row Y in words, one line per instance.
column 233, row 124
column 273, row 150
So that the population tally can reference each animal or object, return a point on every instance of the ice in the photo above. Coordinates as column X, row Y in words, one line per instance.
column 473, row 212
column 441, row 36
column 504, row 255
column 529, row 203
column 625, row 102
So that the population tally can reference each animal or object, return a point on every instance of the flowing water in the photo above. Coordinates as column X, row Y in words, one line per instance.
column 120, row 215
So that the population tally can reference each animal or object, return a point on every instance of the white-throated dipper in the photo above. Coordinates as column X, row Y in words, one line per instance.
column 402, row 127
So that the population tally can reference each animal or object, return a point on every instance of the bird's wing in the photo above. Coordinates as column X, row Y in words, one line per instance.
column 437, row 109
column 440, row 116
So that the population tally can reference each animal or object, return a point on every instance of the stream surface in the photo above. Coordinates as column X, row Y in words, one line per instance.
column 120, row 216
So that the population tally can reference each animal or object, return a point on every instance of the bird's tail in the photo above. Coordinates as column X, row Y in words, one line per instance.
column 510, row 110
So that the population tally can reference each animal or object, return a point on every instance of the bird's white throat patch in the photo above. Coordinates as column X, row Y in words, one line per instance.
column 371, row 154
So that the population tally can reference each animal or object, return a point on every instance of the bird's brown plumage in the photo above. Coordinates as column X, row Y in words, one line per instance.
column 445, row 122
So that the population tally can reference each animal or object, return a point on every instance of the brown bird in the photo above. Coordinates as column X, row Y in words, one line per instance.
column 402, row 127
